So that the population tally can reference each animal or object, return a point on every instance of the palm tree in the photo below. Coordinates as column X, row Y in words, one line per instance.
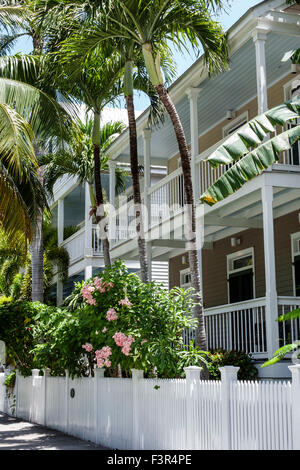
column 19, row 285
column 97, row 84
column 150, row 26
column 48, row 120
column 78, row 159
column 20, row 190
column 134, row 78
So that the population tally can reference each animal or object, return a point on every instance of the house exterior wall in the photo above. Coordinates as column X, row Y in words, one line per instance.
column 275, row 97
column 215, row 262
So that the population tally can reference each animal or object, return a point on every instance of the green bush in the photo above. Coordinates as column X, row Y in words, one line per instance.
column 17, row 319
column 221, row 358
column 146, row 315
column 10, row 380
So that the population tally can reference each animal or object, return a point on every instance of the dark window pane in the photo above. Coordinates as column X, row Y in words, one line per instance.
column 241, row 286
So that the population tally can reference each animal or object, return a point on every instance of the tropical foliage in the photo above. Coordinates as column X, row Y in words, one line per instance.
column 288, row 348
column 114, row 322
column 249, row 153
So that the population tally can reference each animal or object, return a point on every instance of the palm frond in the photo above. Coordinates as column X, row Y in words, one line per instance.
column 251, row 165
column 253, row 133
column 12, row 16
column 49, row 120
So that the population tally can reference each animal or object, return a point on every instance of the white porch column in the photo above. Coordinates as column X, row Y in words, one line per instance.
column 88, row 272
column 270, row 271
column 88, row 243
column 112, row 182
column 60, row 221
column 193, row 95
column 259, row 38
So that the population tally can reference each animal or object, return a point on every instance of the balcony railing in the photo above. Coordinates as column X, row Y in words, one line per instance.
column 166, row 198
column 242, row 326
column 75, row 245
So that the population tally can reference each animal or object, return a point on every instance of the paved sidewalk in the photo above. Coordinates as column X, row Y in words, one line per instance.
column 20, row 435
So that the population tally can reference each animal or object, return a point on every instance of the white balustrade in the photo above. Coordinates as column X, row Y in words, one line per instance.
column 289, row 331
column 239, row 327
column 75, row 245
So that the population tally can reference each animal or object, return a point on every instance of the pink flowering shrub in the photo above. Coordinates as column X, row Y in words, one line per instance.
column 114, row 321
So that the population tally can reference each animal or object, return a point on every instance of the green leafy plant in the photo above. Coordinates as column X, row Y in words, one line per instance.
column 220, row 358
column 288, row 348
column 118, row 305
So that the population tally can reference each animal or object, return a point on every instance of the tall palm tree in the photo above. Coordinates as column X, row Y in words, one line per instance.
column 150, row 26
column 134, row 78
column 48, row 120
column 78, row 159
column 97, row 84
column 20, row 190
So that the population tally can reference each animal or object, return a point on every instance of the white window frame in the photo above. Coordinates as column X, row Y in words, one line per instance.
column 295, row 248
column 287, row 88
column 235, row 124
column 183, row 272
column 235, row 256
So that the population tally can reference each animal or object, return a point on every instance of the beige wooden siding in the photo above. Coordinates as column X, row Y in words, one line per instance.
column 215, row 262
column 284, row 227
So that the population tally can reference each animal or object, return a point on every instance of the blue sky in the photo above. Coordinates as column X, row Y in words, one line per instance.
column 235, row 10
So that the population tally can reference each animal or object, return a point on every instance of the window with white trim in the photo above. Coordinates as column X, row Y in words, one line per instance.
column 235, row 124
column 240, row 276
column 185, row 279
column 295, row 242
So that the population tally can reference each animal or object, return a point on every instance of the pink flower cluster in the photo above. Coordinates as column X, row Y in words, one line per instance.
column 102, row 286
column 88, row 347
column 125, row 302
column 102, row 357
column 124, row 342
column 111, row 314
column 99, row 285
column 86, row 293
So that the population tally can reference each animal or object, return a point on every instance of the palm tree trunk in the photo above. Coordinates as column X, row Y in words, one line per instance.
column 200, row 339
column 100, row 214
column 134, row 163
column 37, row 253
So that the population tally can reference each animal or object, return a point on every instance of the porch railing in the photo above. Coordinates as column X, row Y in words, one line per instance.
column 75, row 245
column 289, row 331
column 239, row 327
column 166, row 198
column 242, row 326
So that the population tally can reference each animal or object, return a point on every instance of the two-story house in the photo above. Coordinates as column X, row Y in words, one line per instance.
column 250, row 242
column 250, row 254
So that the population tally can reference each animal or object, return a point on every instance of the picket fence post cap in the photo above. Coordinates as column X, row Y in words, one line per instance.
column 47, row 372
column 229, row 372
column 35, row 372
column 295, row 368
column 137, row 374
column 99, row 372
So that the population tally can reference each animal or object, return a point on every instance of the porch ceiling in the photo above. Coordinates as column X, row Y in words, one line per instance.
column 247, row 212
column 239, row 212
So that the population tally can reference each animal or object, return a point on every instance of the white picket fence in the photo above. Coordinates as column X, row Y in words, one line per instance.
column 138, row 413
